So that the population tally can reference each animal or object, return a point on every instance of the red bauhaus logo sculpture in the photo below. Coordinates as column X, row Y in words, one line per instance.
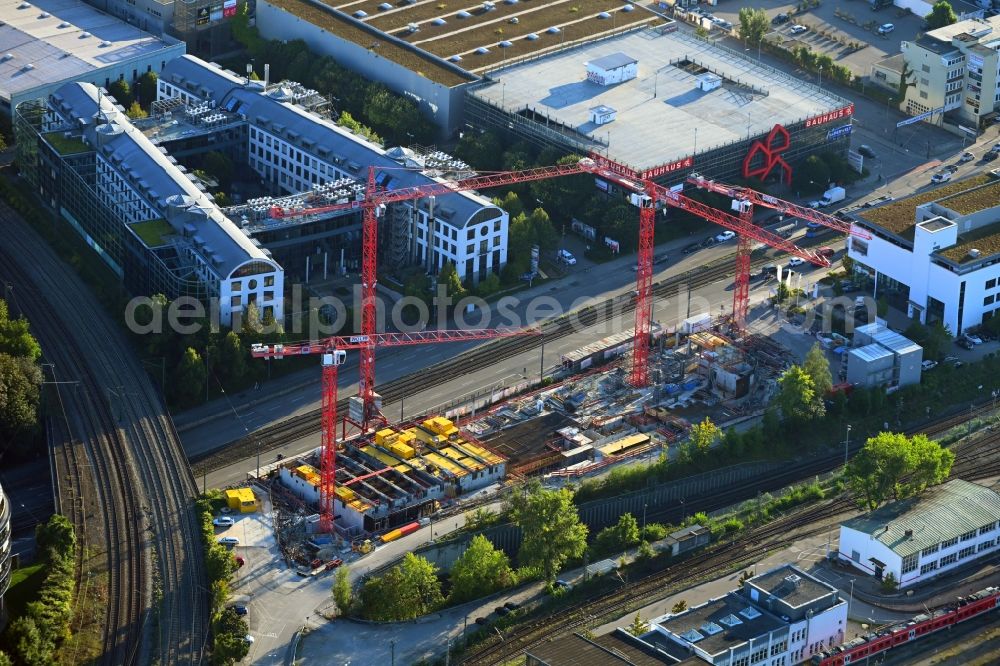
column 763, row 156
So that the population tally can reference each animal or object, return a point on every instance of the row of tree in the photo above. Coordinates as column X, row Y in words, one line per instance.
column 395, row 118
column 552, row 535
column 20, row 384
column 228, row 629
column 37, row 634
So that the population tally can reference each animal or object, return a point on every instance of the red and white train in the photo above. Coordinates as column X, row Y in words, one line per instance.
column 911, row 630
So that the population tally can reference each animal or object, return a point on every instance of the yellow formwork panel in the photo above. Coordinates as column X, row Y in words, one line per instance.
column 385, row 436
column 404, row 451
column 624, row 444
column 488, row 456
column 380, row 455
column 444, row 464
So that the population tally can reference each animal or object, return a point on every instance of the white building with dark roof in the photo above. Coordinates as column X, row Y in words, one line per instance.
column 47, row 43
column 146, row 217
column 778, row 618
column 921, row 537
column 294, row 149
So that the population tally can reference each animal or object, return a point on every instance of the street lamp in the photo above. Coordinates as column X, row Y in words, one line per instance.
column 820, row 84
column 847, row 443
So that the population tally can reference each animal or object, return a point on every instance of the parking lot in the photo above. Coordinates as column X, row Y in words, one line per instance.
column 832, row 27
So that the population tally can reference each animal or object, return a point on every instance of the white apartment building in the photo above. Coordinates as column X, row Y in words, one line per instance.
column 941, row 248
column 778, row 618
column 293, row 149
column 922, row 537
column 143, row 213
column 955, row 69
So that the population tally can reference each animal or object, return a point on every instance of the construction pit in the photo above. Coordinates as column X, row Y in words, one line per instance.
column 392, row 480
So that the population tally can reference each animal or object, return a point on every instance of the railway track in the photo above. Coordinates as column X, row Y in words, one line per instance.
column 975, row 460
column 145, row 488
column 483, row 356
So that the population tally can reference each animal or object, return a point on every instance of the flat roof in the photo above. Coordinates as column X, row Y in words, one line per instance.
column 618, row 647
column 664, row 94
column 872, row 352
column 791, row 585
column 64, row 40
column 720, row 624
column 613, row 61
column 948, row 32
column 938, row 514
column 899, row 217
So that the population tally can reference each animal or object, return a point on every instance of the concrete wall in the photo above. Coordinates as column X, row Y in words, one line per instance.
column 442, row 104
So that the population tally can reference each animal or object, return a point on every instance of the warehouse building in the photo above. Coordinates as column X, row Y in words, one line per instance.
column 916, row 539
column 938, row 250
column 47, row 43
column 728, row 116
column 140, row 211
column 883, row 357
column 295, row 149
column 432, row 51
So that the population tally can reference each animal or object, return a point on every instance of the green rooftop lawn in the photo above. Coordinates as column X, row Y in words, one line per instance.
column 24, row 584
column 152, row 232
column 66, row 146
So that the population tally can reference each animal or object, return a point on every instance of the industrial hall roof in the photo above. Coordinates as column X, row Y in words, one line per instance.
column 940, row 513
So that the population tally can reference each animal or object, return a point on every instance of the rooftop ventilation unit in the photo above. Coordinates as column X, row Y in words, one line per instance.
column 24, row 5
column 793, row 579
column 531, row 37
column 439, row 21
column 105, row 44
column 974, row 253
column 44, row 15
column 505, row 44
column 6, row 57
column 84, row 35
column 463, row 14
column 604, row 15
column 489, row 6
column 64, row 24
column 628, row 8
column 412, row 27
column 510, row 2
column 455, row 58
column 385, row 6
column 360, row 14
column 482, row 50
column 28, row 67
column 554, row 30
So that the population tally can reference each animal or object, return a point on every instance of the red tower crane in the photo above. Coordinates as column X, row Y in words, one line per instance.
column 744, row 199
column 333, row 352
column 647, row 195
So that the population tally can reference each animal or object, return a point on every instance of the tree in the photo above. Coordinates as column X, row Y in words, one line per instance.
column 220, row 167
column 480, row 571
column 232, row 363
column 618, row 537
column 703, row 436
column 892, row 465
column 4, row 659
column 408, row 590
column 638, row 626
column 348, row 121
column 343, row 595
column 797, row 398
column 55, row 537
column 889, row 583
column 189, row 380
column 511, row 203
column 30, row 644
column 229, row 632
column 551, row 527
column 679, row 607
column 448, row 277
column 20, row 390
column 933, row 338
column 136, row 112
column 15, row 336
column 753, row 25
column 813, row 175
column 489, row 285
column 942, row 14
column 251, row 323
column 817, row 366
column 121, row 91
column 145, row 89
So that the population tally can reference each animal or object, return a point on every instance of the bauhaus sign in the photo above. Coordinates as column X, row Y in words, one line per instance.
column 764, row 156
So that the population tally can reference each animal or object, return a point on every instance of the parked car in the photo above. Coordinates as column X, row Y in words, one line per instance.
column 966, row 157
column 240, row 609
column 224, row 521
column 481, row 621
column 512, row 605
column 964, row 343
column 941, row 177
column 798, row 29
column 501, row 611
column 866, row 151
column 249, row 639
column 951, row 168
column 566, row 257
column 989, row 156
column 886, row 28
column 826, row 251
column 239, row 562
column 974, row 339
column 928, row 365
column 564, row 584
column 725, row 236
column 796, row 261
column 689, row 249
column 779, row 19
column 229, row 541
